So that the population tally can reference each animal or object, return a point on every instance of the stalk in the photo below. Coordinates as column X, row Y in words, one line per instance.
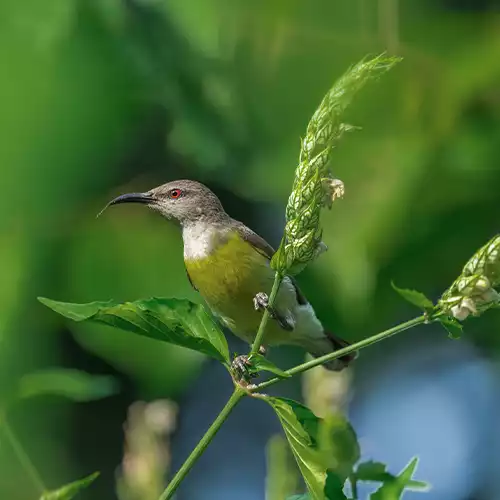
column 202, row 445
column 346, row 350
column 278, row 278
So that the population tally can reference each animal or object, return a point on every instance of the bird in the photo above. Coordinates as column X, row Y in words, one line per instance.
column 228, row 264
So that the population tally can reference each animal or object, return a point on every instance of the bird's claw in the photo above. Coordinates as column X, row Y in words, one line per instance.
column 241, row 368
column 261, row 301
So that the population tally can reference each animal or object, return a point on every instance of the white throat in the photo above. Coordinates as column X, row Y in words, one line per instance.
column 199, row 240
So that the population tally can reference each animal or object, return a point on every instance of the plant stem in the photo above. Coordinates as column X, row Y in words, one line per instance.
column 354, row 487
column 23, row 457
column 346, row 350
column 238, row 393
column 278, row 278
column 204, row 442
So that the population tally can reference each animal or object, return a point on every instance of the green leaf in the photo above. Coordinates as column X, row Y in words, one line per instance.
column 339, row 445
column 260, row 363
column 70, row 490
column 452, row 326
column 372, row 471
column 72, row 384
column 176, row 321
column 334, row 488
column 305, row 433
column 302, row 444
column 278, row 259
column 414, row 297
column 393, row 488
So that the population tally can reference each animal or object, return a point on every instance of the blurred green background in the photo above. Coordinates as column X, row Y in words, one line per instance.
column 102, row 97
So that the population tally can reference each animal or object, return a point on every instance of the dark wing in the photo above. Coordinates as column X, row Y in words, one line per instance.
column 260, row 244
column 265, row 249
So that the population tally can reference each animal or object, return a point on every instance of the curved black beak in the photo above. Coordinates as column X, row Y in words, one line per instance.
column 145, row 198
column 132, row 198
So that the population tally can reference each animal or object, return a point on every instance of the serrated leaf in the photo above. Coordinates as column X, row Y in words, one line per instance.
column 452, row 326
column 393, row 488
column 334, row 488
column 339, row 445
column 260, row 363
column 303, row 446
column 70, row 490
column 72, row 384
column 372, row 471
column 176, row 321
column 414, row 297
column 304, row 432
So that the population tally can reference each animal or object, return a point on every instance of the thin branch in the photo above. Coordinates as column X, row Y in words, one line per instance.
column 204, row 442
column 278, row 278
column 346, row 350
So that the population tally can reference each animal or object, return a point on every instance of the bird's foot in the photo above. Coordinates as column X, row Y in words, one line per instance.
column 241, row 369
column 261, row 301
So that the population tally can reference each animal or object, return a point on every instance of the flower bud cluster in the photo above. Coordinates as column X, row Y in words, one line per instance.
column 314, row 187
column 147, row 455
column 475, row 290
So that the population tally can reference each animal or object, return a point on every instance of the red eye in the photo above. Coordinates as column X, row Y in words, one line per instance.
column 175, row 193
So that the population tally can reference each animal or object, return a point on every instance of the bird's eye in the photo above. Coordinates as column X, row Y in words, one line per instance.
column 175, row 193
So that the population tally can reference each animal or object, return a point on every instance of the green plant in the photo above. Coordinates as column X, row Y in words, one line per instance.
column 75, row 385
column 326, row 450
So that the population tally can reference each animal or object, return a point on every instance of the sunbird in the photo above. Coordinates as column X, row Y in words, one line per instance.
column 229, row 265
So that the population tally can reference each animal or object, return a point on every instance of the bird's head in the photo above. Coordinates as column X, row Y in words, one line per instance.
column 183, row 201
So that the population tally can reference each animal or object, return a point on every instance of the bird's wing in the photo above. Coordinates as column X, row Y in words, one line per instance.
column 260, row 244
column 265, row 249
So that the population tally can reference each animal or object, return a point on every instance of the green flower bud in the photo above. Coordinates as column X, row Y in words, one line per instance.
column 486, row 261
column 473, row 292
column 472, row 285
column 313, row 188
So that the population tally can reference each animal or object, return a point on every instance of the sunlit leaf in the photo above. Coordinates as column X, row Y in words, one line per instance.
column 333, row 490
column 176, row 321
column 393, row 487
column 72, row 384
column 452, row 326
column 260, row 363
column 69, row 491
column 304, row 433
column 303, row 445
column 414, row 297
column 372, row 471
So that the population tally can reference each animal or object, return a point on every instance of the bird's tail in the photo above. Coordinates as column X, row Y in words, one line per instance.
column 334, row 343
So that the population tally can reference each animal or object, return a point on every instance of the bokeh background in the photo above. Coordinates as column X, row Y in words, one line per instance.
column 102, row 97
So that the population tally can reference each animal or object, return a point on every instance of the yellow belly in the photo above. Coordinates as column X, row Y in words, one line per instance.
column 229, row 279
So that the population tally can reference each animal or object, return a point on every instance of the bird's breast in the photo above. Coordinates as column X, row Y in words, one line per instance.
column 229, row 277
